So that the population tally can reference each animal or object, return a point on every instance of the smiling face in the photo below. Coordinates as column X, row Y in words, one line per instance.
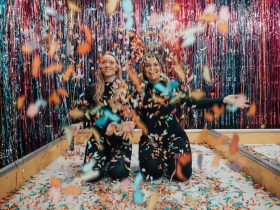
column 152, row 70
column 109, row 67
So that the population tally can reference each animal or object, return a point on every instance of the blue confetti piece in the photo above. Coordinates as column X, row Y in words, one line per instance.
column 138, row 197
column 166, row 90
column 107, row 115
column 127, row 7
column 231, row 108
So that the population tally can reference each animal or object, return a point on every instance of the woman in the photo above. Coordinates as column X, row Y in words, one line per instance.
column 166, row 145
column 109, row 142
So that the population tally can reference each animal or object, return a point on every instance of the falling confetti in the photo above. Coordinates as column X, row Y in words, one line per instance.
column 32, row 110
column 111, row 6
column 54, row 68
column 207, row 74
column 36, row 66
column 218, row 110
column 252, row 110
column 208, row 117
column 54, row 98
column 76, row 113
column 20, row 102
column 55, row 181
column 73, row 7
column 67, row 74
column 71, row 190
column 62, row 91
column 234, row 144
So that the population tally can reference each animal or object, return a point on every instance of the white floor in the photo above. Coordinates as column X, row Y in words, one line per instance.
column 210, row 187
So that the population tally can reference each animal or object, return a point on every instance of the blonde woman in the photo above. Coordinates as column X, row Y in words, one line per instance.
column 113, row 147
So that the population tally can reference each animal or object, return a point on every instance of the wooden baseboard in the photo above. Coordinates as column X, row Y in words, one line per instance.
column 263, row 172
column 16, row 174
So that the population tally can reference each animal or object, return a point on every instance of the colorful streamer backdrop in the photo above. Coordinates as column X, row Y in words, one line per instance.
column 244, row 60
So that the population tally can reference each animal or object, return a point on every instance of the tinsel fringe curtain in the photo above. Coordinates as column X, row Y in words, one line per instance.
column 245, row 60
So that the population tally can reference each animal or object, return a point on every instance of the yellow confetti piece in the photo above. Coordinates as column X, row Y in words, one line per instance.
column 134, row 78
column 62, row 91
column 208, row 18
column 218, row 111
column 55, row 182
column 208, row 117
column 71, row 190
column 76, row 113
column 52, row 48
column 20, row 102
column 54, row 98
column 73, row 7
column 111, row 6
column 252, row 110
column 196, row 94
column 178, row 69
column 234, row 144
column 36, row 66
column 176, row 8
column 153, row 200
column 67, row 74
column 222, row 28
column 54, row 68
column 207, row 74
column 26, row 49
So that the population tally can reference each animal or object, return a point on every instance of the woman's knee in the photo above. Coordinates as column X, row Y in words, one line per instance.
column 118, row 172
column 151, row 168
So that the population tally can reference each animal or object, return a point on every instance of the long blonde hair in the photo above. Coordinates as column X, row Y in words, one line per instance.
column 100, row 82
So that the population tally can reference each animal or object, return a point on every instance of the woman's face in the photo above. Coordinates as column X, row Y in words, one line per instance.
column 152, row 70
column 109, row 66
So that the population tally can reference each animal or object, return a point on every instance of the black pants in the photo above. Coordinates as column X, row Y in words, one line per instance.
column 170, row 152
column 112, row 151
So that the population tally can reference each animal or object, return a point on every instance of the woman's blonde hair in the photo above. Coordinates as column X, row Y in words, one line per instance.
column 142, row 66
column 100, row 82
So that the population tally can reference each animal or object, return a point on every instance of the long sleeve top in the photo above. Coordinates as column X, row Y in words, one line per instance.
column 158, row 115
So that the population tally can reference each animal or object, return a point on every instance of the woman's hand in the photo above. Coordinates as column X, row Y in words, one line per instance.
column 237, row 100
column 127, row 129
column 112, row 128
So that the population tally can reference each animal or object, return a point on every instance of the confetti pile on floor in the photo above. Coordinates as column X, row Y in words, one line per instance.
column 269, row 152
column 210, row 187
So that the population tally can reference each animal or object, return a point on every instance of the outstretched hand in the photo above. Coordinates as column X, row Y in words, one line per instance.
column 239, row 101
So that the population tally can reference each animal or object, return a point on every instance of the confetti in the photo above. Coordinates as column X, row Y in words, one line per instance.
column 107, row 115
column 55, row 181
column 83, row 48
column 234, row 144
column 218, row 110
column 50, row 11
column 32, row 110
column 20, row 102
column 209, row 14
column 71, row 190
column 152, row 202
column 182, row 161
column 252, row 110
column 224, row 14
column 134, row 78
column 68, row 72
column 62, row 91
column 89, row 166
column 76, row 113
column 26, row 49
column 166, row 90
column 222, row 27
column 178, row 69
column 207, row 74
column 196, row 94
column 111, row 6
column 52, row 48
column 36, row 66
column 208, row 117
column 54, row 68
column 73, row 7
column 54, row 98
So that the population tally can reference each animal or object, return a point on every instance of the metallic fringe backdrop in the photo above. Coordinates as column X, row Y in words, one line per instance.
column 244, row 60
